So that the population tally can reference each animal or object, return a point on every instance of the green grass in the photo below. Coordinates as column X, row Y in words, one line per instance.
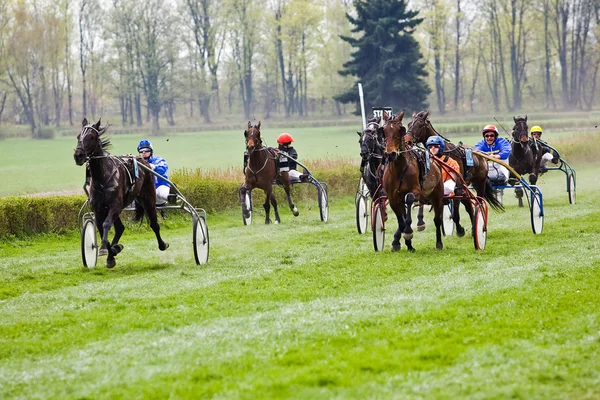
column 309, row 310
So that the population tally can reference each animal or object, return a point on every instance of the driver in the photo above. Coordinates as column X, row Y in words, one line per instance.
column 435, row 145
column 495, row 147
column 288, row 164
column 548, row 154
column 159, row 165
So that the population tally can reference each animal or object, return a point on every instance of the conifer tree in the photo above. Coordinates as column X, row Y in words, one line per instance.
column 386, row 57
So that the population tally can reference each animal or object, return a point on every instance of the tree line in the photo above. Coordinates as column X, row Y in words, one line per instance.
column 158, row 61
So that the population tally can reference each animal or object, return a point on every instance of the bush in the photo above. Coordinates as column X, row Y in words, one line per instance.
column 21, row 215
column 214, row 191
column 45, row 133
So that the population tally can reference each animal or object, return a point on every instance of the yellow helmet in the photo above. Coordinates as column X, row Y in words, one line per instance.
column 536, row 129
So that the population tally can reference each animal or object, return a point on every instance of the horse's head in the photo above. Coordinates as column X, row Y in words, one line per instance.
column 89, row 142
column 520, row 131
column 418, row 126
column 393, row 132
column 253, row 137
column 371, row 140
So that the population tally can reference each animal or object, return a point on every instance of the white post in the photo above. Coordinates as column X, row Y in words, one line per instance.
column 362, row 106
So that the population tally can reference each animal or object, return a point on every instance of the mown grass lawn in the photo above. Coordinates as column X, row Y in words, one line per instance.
column 309, row 310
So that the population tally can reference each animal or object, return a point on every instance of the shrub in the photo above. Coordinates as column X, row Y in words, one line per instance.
column 45, row 133
column 213, row 191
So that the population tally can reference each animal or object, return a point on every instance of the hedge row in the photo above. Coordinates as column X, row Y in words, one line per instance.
column 22, row 216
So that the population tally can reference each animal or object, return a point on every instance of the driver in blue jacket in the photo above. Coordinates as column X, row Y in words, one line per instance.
column 159, row 165
column 495, row 147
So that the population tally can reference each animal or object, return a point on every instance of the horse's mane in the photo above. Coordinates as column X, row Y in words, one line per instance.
column 104, row 141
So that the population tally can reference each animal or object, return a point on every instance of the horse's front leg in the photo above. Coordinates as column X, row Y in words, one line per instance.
column 113, row 215
column 401, row 223
column 115, row 247
column 407, row 234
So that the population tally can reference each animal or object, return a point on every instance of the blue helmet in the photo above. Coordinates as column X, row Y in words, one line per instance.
column 145, row 145
column 435, row 140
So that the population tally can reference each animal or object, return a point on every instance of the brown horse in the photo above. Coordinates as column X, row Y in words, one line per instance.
column 476, row 175
column 115, row 183
column 404, row 185
column 261, row 172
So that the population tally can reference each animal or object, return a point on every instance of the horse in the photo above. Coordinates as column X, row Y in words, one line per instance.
column 476, row 175
column 115, row 183
column 524, row 156
column 261, row 172
column 404, row 185
column 372, row 147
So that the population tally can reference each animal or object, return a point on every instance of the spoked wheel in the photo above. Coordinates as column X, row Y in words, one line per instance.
column 480, row 228
column 248, row 200
column 378, row 227
column 323, row 204
column 360, row 190
column 571, row 188
column 537, row 219
column 89, row 244
column 362, row 216
column 447, row 221
column 200, row 240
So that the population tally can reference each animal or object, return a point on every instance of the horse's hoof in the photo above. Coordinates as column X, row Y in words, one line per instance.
column 267, row 221
column 116, row 249
column 276, row 222
column 460, row 231
column 164, row 246
column 111, row 263
column 395, row 247
column 439, row 246
column 412, row 249
column 102, row 252
column 421, row 228
column 295, row 212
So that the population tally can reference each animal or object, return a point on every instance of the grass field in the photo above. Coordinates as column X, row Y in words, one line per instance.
column 34, row 166
column 309, row 310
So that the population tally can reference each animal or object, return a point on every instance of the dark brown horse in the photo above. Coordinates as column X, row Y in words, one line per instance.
column 404, row 185
column 524, row 157
column 476, row 175
column 115, row 183
column 261, row 172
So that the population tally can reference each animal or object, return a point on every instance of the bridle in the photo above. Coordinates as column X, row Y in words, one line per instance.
column 519, row 133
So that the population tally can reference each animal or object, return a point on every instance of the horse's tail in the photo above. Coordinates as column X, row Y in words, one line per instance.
column 489, row 195
column 139, row 212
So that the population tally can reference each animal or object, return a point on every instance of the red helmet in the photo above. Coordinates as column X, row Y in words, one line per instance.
column 490, row 128
column 285, row 138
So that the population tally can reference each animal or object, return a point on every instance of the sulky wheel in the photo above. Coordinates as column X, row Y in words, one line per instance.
column 571, row 187
column 323, row 204
column 537, row 219
column 200, row 239
column 447, row 221
column 89, row 244
column 479, row 228
column 378, row 227
column 360, row 190
column 362, row 216
column 248, row 200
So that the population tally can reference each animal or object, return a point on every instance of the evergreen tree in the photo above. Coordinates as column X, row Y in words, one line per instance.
column 386, row 58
